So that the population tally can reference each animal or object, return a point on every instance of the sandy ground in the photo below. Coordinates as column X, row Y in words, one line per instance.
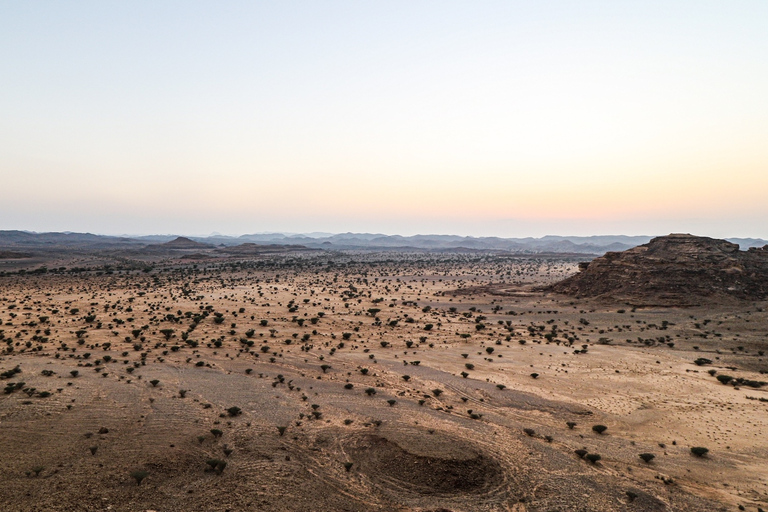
column 370, row 382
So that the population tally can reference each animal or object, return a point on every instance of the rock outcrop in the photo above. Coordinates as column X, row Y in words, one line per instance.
column 185, row 243
column 673, row 270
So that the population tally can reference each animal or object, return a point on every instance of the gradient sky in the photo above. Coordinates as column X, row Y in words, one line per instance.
column 508, row 118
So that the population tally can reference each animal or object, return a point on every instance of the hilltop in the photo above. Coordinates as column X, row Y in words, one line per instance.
column 185, row 243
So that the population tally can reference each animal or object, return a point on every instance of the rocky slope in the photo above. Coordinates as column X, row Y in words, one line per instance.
column 677, row 269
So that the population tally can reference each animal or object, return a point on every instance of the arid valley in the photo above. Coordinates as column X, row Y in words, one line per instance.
column 370, row 381
column 401, row 256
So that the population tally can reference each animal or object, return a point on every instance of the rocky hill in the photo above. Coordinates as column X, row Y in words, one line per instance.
column 677, row 269
column 185, row 243
column 251, row 249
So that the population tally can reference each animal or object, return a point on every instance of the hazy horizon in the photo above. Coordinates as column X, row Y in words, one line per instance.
column 491, row 118
column 328, row 234
column 315, row 234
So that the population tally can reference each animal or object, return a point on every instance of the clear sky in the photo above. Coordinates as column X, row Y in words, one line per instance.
column 505, row 118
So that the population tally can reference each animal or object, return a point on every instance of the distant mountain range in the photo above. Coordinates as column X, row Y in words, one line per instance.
column 599, row 244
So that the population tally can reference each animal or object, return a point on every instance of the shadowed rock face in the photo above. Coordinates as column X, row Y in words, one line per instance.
column 673, row 270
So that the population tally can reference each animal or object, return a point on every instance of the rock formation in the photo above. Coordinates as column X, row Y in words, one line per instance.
column 673, row 270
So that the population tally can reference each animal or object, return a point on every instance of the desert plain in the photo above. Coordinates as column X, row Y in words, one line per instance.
column 379, row 381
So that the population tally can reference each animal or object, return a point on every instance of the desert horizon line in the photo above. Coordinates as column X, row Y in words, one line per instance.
column 327, row 234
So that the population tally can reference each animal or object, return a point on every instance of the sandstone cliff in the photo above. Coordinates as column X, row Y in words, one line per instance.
column 673, row 270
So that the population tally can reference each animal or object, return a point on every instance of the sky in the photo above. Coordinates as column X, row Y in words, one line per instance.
column 485, row 118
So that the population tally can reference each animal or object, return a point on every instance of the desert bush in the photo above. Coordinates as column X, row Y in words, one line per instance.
column 139, row 475
column 599, row 428
column 724, row 379
column 699, row 451
column 217, row 465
